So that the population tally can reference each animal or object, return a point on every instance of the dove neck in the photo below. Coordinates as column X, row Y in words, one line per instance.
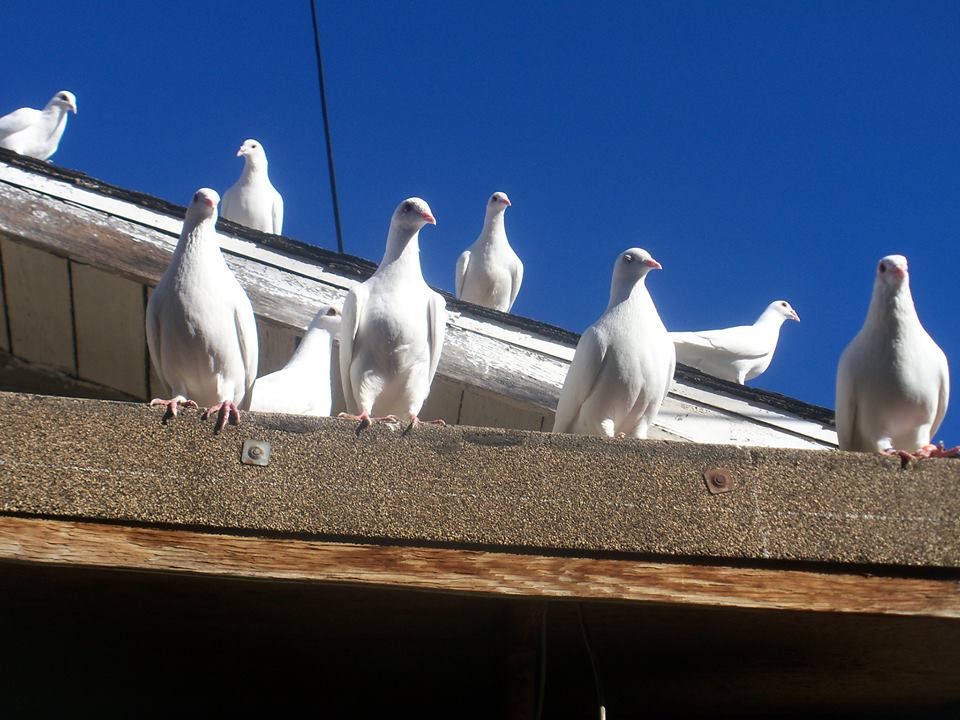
column 199, row 244
column 770, row 318
column 402, row 254
column 493, row 227
column 891, row 310
column 314, row 349
column 254, row 167
column 635, row 292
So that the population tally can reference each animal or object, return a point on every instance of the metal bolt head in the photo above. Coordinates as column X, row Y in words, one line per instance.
column 719, row 480
column 255, row 452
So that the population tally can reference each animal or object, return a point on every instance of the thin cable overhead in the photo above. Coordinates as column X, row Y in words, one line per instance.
column 326, row 127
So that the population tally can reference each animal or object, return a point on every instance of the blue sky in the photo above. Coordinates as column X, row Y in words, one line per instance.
column 758, row 150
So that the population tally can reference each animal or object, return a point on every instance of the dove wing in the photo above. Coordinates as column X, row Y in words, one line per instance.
column 581, row 377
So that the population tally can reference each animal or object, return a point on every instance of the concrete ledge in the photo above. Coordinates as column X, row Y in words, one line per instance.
column 472, row 487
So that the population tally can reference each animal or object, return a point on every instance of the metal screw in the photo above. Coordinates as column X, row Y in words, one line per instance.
column 719, row 480
column 255, row 452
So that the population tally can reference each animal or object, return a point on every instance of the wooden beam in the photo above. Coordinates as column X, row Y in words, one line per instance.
column 473, row 486
column 470, row 571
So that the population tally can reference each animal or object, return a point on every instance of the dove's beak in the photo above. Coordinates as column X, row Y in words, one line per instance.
column 209, row 202
column 651, row 263
column 240, row 152
column 73, row 107
column 506, row 201
column 429, row 218
column 794, row 316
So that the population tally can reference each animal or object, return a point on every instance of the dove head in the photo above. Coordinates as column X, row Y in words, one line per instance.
column 631, row 268
column 203, row 206
column 64, row 99
column 412, row 214
column 252, row 151
column 781, row 310
column 497, row 203
column 892, row 272
column 327, row 318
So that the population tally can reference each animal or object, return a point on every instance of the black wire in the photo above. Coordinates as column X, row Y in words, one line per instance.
column 593, row 661
column 326, row 126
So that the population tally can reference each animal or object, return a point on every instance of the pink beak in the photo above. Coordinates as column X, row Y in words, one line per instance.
column 653, row 264
column 209, row 202
column 429, row 218
column 795, row 316
column 507, row 202
column 240, row 152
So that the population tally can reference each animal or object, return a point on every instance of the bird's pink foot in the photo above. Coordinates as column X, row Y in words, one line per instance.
column 905, row 457
column 171, row 406
column 621, row 435
column 414, row 421
column 366, row 421
column 227, row 411
column 937, row 451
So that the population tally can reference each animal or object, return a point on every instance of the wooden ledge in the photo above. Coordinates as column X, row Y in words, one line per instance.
column 470, row 571
column 472, row 487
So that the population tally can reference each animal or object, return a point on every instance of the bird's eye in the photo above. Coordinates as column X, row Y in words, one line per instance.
column 62, row 97
column 883, row 268
column 332, row 311
column 407, row 207
column 197, row 197
column 628, row 258
column 783, row 304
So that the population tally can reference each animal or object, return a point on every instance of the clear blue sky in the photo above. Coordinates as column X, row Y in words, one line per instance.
column 758, row 150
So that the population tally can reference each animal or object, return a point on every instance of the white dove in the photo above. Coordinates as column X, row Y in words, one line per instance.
column 393, row 328
column 737, row 353
column 302, row 386
column 37, row 133
column 489, row 272
column 253, row 201
column 624, row 362
column 201, row 330
column 893, row 382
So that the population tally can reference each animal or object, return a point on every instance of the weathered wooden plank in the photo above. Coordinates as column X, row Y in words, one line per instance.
column 472, row 358
column 471, row 571
column 38, row 305
column 20, row 376
column 276, row 344
column 461, row 485
column 4, row 330
column 487, row 410
column 111, row 339
column 444, row 400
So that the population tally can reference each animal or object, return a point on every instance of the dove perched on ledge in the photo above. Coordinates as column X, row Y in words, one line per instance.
column 302, row 386
column 253, row 201
column 393, row 328
column 201, row 330
column 737, row 353
column 623, row 365
column 489, row 272
column 37, row 133
column 893, row 382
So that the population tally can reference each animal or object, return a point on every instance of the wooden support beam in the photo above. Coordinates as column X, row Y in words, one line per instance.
column 84, row 544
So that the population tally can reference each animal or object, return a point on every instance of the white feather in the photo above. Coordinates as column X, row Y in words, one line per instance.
column 893, row 382
column 253, row 201
column 201, row 329
column 623, row 366
column 489, row 273
column 37, row 133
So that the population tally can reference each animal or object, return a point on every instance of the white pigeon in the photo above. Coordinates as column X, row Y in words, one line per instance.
column 253, row 201
column 624, row 362
column 737, row 353
column 489, row 272
column 393, row 328
column 201, row 330
column 37, row 133
column 893, row 382
column 302, row 386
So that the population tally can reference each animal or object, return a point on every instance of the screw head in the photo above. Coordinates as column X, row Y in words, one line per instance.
column 256, row 452
column 718, row 480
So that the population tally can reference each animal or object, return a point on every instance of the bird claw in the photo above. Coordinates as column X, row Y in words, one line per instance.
column 365, row 421
column 937, row 451
column 227, row 411
column 414, row 421
column 170, row 406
